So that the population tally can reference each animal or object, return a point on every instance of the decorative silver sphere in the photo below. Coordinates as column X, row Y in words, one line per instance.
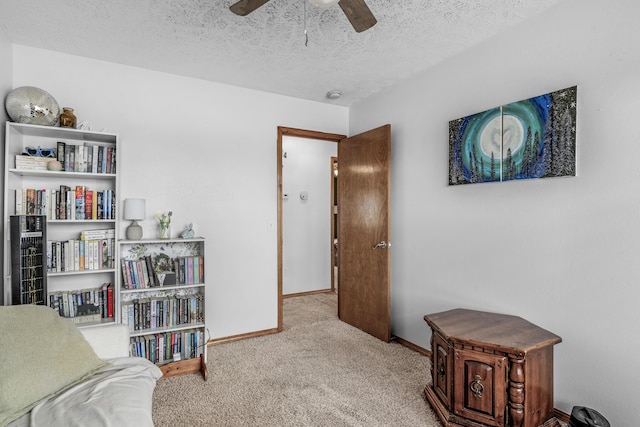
column 32, row 105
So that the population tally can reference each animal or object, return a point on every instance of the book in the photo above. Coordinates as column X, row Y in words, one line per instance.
column 60, row 149
column 100, row 160
column 72, row 158
column 143, row 275
column 89, row 156
column 75, row 248
column 150, row 273
column 88, row 204
column 80, row 202
column 81, row 255
column 189, row 272
column 110, row 312
column 97, row 234
column 19, row 207
column 196, row 269
column 81, row 159
column 108, row 159
column 62, row 203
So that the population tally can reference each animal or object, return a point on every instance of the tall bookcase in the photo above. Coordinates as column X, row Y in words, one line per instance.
column 162, row 300
column 79, row 203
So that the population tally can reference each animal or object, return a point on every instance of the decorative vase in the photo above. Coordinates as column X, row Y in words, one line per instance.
column 67, row 118
column 165, row 231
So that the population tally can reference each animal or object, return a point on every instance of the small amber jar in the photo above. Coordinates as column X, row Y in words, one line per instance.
column 67, row 118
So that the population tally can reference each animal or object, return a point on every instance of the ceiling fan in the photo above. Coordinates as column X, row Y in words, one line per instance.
column 356, row 11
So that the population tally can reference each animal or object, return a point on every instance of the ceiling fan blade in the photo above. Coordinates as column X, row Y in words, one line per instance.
column 245, row 7
column 358, row 14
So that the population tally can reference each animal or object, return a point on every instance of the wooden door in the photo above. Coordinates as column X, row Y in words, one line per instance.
column 364, row 270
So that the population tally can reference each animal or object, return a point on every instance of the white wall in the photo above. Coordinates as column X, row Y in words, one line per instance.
column 6, row 82
column 562, row 253
column 206, row 151
column 306, row 224
column 6, row 73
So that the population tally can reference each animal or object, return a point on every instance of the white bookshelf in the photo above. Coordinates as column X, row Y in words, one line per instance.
column 158, row 312
column 17, row 138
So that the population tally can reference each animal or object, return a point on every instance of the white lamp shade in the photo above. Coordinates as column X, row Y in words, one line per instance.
column 134, row 209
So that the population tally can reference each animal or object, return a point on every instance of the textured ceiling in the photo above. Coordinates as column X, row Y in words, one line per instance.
column 266, row 50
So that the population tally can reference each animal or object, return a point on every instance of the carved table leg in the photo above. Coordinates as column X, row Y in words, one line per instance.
column 516, row 392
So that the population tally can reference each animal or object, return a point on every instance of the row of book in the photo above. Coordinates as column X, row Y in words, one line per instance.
column 86, row 305
column 163, row 312
column 88, row 157
column 94, row 250
column 140, row 273
column 189, row 269
column 79, row 203
column 168, row 346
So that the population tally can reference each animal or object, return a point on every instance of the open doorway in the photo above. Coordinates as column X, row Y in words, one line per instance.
column 302, row 198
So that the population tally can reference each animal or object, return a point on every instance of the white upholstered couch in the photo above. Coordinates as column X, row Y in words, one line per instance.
column 73, row 383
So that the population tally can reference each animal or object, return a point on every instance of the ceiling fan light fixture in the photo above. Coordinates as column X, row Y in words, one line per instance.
column 334, row 94
column 324, row 3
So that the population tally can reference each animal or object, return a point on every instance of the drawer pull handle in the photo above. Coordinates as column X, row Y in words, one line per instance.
column 476, row 386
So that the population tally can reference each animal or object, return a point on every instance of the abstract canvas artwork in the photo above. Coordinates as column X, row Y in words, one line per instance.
column 533, row 138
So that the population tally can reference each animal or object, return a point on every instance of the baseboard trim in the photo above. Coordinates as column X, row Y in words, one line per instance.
column 302, row 294
column 562, row 416
column 412, row 346
column 239, row 337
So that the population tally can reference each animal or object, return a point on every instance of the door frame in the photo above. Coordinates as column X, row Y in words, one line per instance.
column 334, row 222
column 298, row 133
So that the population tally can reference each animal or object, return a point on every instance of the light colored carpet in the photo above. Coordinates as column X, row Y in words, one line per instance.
column 318, row 372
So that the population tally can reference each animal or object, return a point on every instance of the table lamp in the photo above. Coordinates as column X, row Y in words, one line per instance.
column 134, row 210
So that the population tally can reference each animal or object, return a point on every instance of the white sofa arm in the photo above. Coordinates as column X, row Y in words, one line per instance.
column 108, row 341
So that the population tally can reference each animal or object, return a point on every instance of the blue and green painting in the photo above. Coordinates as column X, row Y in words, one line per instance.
column 534, row 138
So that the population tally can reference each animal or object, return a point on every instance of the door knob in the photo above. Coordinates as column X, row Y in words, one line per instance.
column 382, row 245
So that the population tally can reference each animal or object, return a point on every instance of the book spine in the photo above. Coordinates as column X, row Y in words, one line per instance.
column 89, row 254
column 72, row 158
column 142, row 276
column 149, row 266
column 80, row 202
column 196, row 269
column 70, row 204
column 18, row 210
column 67, row 163
column 100, row 206
column 76, row 255
column 82, row 259
column 89, row 156
column 110, row 312
column 100, row 160
column 81, row 159
column 88, row 204
column 189, row 271
column 108, row 160
column 60, row 152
